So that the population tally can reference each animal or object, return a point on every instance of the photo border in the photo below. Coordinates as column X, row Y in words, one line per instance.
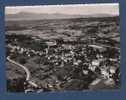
column 98, row 95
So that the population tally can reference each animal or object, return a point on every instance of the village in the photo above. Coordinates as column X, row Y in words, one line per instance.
column 67, row 61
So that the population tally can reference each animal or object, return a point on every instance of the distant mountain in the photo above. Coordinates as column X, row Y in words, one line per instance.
column 34, row 16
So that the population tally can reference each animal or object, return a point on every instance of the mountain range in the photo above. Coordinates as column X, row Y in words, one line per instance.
column 36, row 16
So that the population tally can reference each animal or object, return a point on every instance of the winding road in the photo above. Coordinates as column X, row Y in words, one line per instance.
column 28, row 74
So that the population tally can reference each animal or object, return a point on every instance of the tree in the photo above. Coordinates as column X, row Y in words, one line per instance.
column 22, row 60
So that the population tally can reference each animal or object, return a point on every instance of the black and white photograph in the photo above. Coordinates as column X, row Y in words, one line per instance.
column 58, row 48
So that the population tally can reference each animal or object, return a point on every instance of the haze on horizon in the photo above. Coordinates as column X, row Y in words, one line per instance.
column 74, row 9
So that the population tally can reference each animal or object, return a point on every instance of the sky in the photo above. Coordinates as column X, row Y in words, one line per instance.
column 76, row 9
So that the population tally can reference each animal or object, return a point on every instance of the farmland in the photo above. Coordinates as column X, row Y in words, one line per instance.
column 65, row 54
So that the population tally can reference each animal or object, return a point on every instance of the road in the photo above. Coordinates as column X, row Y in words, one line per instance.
column 28, row 74
column 103, row 46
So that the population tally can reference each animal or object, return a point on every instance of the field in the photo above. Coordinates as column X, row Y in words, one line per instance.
column 65, row 54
